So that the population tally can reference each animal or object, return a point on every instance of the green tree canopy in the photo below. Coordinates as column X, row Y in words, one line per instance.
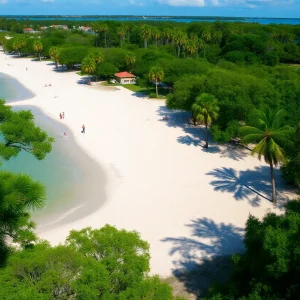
column 54, row 53
column 38, row 47
column 270, row 267
column 103, row 263
column 270, row 137
column 88, row 67
column 19, row 132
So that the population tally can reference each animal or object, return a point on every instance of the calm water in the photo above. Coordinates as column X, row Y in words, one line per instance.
column 74, row 183
column 165, row 18
column 12, row 90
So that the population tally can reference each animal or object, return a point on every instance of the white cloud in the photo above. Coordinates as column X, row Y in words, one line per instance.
column 3, row 1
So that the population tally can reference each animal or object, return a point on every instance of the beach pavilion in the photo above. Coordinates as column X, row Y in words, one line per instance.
column 125, row 78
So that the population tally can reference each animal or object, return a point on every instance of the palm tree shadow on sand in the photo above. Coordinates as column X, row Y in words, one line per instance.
column 251, row 185
column 205, row 256
column 195, row 135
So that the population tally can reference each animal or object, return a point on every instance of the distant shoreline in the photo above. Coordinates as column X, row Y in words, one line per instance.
column 136, row 18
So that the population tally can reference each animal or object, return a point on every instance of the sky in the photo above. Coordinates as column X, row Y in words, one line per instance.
column 236, row 8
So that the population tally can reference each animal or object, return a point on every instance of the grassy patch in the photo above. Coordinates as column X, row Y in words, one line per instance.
column 136, row 88
column 79, row 73
column 143, row 90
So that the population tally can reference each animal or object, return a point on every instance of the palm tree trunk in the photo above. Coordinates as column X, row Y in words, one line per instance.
column 105, row 39
column 121, row 42
column 40, row 56
column 273, row 183
column 156, row 86
column 155, row 43
column 206, row 144
column 145, row 43
column 56, row 65
column 178, row 48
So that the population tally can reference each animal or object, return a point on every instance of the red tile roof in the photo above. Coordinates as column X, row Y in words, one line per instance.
column 125, row 75
column 28, row 29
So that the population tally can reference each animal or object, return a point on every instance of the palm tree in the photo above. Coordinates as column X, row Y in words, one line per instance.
column 130, row 60
column 270, row 136
column 146, row 31
column 96, row 27
column 104, row 29
column 88, row 67
column 98, row 58
column 180, row 39
column 18, row 44
column 206, row 110
column 54, row 54
column 121, row 33
column 191, row 47
column 156, row 35
column 3, row 42
column 206, row 37
column 38, row 47
column 217, row 36
column 167, row 35
column 156, row 74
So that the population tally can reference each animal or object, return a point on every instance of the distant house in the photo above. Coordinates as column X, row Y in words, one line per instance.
column 28, row 30
column 125, row 78
column 85, row 28
column 44, row 27
column 60, row 26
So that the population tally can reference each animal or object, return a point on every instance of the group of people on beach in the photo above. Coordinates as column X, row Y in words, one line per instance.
column 62, row 116
column 46, row 85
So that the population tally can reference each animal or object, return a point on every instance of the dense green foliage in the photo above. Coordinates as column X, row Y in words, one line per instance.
column 19, row 193
column 269, row 269
column 93, row 264
column 20, row 133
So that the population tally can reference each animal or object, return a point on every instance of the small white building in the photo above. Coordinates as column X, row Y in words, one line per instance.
column 125, row 78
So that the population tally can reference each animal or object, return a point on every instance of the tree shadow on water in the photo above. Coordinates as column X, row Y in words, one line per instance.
column 252, row 185
column 205, row 257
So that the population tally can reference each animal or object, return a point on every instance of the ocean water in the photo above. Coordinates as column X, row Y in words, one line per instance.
column 11, row 90
column 290, row 21
column 75, row 184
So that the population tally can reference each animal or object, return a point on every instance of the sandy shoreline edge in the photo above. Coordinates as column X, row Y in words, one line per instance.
column 87, row 193
column 188, row 203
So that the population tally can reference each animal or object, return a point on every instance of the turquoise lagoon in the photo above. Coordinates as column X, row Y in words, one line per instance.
column 74, row 182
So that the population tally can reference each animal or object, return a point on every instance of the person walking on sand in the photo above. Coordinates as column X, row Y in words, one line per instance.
column 83, row 129
column 63, row 115
column 60, row 115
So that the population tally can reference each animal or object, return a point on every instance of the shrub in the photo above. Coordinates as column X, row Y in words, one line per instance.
column 152, row 95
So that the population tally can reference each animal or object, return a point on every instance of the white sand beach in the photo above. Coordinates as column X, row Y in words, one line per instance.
column 186, row 201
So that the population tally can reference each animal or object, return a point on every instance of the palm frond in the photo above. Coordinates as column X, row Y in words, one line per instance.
column 260, row 149
column 278, row 118
column 252, row 138
column 245, row 130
